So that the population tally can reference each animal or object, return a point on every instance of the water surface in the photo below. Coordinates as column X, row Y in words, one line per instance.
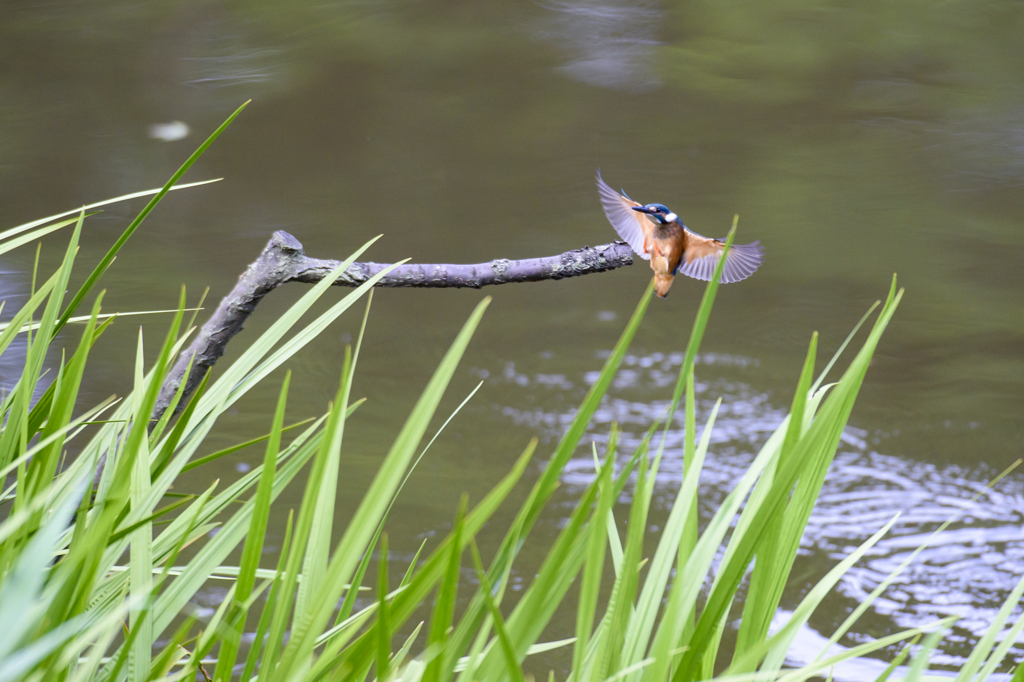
column 854, row 140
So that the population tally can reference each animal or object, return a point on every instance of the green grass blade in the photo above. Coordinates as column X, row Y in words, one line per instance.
column 1011, row 637
column 984, row 647
column 549, row 480
column 849, row 337
column 1018, row 674
column 623, row 614
column 409, row 599
column 253, row 547
column 383, row 622
column 360, row 530
column 677, row 618
column 411, row 570
column 196, row 463
column 444, row 607
column 815, row 669
column 350, row 596
column 539, row 602
column 772, row 566
column 141, row 556
column 553, row 472
column 399, row 658
column 896, row 662
column 7, row 234
column 231, row 533
column 322, row 493
column 920, row 663
column 701, row 321
column 811, row 458
column 262, row 358
column 108, row 258
column 483, row 634
column 65, row 396
column 778, row 646
column 590, row 585
column 25, row 313
column 21, row 599
column 669, row 550
column 86, row 417
column 40, row 470
column 273, row 603
column 36, row 234
column 508, row 650
column 884, row 584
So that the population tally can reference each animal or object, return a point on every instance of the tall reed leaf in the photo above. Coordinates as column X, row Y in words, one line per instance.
column 107, row 259
column 353, row 542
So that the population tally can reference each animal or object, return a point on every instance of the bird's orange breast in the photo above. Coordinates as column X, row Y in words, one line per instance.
column 667, row 252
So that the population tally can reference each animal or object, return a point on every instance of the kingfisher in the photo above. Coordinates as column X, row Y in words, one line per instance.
column 656, row 234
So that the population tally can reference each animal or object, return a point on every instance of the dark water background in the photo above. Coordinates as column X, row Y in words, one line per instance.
column 854, row 139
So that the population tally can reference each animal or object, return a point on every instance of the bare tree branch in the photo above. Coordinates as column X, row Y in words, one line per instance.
column 284, row 260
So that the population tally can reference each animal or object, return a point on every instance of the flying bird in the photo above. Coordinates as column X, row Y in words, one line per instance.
column 656, row 234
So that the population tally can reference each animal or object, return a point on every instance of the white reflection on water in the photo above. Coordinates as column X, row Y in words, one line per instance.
column 219, row 54
column 977, row 151
column 169, row 132
column 241, row 67
column 967, row 571
column 809, row 643
column 611, row 44
column 984, row 149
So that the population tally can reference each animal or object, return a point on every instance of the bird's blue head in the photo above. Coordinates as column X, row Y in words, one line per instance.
column 659, row 212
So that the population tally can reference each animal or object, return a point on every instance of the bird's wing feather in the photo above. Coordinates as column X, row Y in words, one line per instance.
column 632, row 226
column 702, row 255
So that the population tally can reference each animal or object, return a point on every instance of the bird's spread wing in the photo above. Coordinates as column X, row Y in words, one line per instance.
column 631, row 225
column 702, row 255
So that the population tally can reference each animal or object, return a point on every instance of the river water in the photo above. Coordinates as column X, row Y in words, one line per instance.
column 854, row 141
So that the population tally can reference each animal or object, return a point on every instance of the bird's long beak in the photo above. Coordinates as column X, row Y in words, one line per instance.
column 642, row 209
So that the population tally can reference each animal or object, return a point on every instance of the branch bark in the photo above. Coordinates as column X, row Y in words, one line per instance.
column 284, row 260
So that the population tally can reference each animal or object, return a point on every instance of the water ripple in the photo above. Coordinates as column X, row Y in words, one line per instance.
column 967, row 571
column 609, row 43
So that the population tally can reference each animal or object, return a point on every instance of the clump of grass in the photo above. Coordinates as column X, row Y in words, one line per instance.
column 90, row 588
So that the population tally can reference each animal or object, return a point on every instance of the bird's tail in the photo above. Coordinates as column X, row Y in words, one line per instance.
column 662, row 283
